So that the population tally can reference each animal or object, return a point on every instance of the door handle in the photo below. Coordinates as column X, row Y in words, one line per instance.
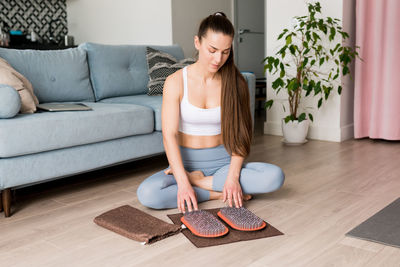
column 243, row 31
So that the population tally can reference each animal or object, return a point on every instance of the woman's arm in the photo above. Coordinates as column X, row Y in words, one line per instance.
column 232, row 188
column 170, row 124
column 235, row 167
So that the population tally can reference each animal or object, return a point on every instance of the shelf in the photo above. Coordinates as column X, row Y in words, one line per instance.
column 36, row 46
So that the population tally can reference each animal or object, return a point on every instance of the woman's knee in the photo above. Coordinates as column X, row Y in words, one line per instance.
column 273, row 178
column 150, row 196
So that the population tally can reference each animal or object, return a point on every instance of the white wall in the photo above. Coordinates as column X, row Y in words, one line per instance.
column 120, row 21
column 347, row 97
column 333, row 121
column 186, row 18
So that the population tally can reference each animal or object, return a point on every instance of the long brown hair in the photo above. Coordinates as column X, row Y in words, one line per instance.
column 236, row 121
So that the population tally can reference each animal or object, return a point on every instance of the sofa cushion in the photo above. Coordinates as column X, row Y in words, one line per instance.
column 10, row 103
column 56, row 75
column 9, row 76
column 44, row 131
column 153, row 102
column 121, row 70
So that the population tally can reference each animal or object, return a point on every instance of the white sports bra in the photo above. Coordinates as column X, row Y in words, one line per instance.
column 197, row 121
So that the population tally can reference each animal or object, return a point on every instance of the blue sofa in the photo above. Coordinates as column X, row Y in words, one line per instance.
column 124, row 125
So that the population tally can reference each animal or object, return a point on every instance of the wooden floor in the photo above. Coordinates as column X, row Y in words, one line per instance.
column 329, row 189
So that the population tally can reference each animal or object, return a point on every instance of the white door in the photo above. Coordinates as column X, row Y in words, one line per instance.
column 249, row 43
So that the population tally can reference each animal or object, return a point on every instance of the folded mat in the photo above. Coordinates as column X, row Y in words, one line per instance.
column 383, row 227
column 232, row 236
column 136, row 224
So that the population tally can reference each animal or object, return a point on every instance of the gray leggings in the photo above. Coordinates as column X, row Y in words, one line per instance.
column 159, row 191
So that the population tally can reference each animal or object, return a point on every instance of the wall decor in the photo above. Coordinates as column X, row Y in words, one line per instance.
column 47, row 18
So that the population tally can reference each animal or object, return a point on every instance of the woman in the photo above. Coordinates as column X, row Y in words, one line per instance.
column 207, row 130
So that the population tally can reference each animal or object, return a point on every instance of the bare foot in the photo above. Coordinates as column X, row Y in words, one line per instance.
column 215, row 195
column 247, row 197
column 218, row 195
column 168, row 171
column 196, row 177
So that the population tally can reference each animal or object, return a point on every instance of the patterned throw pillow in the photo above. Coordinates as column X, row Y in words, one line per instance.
column 161, row 65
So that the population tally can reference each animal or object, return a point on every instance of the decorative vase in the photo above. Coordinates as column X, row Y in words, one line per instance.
column 295, row 132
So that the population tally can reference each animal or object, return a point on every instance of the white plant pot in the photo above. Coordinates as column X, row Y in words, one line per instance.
column 295, row 132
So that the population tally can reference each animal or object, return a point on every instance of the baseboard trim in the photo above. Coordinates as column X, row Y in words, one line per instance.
column 347, row 132
column 273, row 128
column 316, row 132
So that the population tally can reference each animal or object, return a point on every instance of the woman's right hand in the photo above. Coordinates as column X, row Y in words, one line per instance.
column 186, row 194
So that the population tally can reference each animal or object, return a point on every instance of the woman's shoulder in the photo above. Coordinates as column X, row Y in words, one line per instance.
column 174, row 83
column 175, row 77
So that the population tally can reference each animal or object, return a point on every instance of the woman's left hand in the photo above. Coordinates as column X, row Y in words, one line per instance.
column 233, row 191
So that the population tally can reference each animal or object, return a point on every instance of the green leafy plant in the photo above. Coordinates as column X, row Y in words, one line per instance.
column 311, row 46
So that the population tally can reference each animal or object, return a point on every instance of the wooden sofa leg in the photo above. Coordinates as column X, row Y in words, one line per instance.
column 6, row 196
column 1, row 201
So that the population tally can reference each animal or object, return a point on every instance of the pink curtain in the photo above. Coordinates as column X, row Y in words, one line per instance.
column 377, row 78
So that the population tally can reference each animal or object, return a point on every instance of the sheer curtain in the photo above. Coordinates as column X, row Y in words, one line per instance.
column 377, row 77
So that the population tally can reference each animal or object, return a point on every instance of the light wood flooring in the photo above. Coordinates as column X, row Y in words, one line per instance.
column 329, row 189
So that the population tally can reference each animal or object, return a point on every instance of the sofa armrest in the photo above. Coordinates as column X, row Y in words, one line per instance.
column 10, row 102
column 251, row 82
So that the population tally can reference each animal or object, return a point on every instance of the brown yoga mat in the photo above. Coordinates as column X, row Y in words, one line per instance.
column 136, row 224
column 232, row 236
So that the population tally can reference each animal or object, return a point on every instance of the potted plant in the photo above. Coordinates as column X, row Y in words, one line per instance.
column 309, row 63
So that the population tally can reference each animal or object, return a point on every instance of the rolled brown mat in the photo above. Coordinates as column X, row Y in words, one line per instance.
column 136, row 224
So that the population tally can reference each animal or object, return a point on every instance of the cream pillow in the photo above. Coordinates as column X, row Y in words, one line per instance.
column 9, row 76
